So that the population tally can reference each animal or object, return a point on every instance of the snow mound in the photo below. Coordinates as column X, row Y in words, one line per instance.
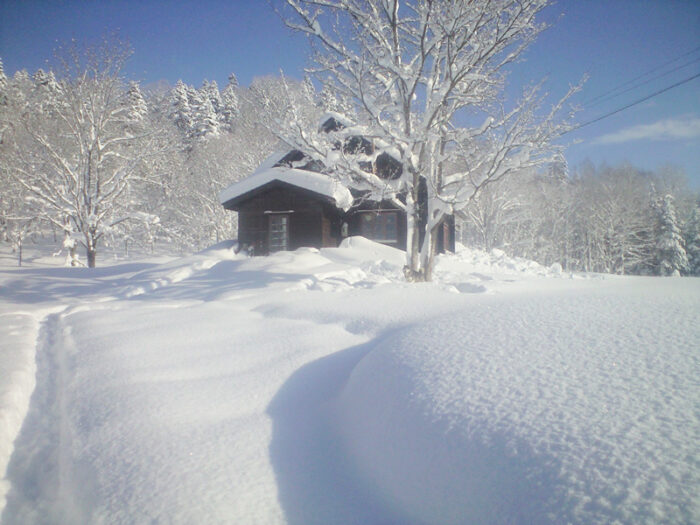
column 373, row 250
column 577, row 407
column 181, row 269
column 497, row 260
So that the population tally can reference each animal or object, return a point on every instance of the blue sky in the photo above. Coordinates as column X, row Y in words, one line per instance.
column 613, row 41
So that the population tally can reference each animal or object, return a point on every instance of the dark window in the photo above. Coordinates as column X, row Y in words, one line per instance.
column 253, row 231
column 331, row 125
column 356, row 145
column 279, row 233
column 296, row 159
column 290, row 159
column 380, row 226
column 314, row 165
column 365, row 166
column 388, row 167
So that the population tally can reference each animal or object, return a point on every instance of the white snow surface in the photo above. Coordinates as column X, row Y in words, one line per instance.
column 318, row 387
column 308, row 180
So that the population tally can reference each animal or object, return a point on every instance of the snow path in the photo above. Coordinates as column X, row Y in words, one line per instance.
column 161, row 423
column 18, row 331
column 28, row 296
column 41, row 466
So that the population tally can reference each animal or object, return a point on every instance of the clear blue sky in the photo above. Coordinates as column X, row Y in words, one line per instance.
column 614, row 41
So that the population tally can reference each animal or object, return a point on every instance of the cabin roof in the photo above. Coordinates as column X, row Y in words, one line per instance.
column 308, row 180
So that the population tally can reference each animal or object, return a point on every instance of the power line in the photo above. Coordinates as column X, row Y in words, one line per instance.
column 653, row 70
column 611, row 94
column 684, row 81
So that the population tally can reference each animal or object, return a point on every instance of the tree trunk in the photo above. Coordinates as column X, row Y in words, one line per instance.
column 429, row 258
column 91, row 256
column 413, row 270
column 73, row 256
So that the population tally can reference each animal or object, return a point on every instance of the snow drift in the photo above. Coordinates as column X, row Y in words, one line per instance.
column 316, row 386
column 574, row 407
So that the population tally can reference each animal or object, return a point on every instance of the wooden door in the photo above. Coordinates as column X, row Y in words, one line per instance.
column 278, row 232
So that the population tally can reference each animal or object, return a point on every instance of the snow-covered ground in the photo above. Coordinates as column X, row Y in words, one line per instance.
column 317, row 387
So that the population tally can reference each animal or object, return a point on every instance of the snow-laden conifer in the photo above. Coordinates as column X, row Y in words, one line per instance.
column 137, row 105
column 45, row 81
column 206, row 122
column 692, row 242
column 3, row 79
column 210, row 90
column 229, row 103
column 46, row 91
column 331, row 101
column 671, row 258
column 180, row 110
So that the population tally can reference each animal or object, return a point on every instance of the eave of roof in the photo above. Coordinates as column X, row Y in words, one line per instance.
column 315, row 182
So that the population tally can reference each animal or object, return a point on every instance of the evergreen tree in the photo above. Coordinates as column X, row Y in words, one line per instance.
column 558, row 170
column 205, row 120
column 137, row 105
column 229, row 103
column 671, row 258
column 3, row 85
column 180, row 110
column 20, row 88
column 46, row 90
column 308, row 89
column 692, row 242
column 45, row 82
column 210, row 90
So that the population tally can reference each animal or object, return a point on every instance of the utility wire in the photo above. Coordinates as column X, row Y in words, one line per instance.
column 653, row 70
column 684, row 81
column 605, row 97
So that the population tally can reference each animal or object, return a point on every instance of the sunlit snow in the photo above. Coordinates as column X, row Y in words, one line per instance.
column 318, row 387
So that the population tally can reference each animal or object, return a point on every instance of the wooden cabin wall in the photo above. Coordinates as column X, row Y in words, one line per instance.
column 315, row 222
column 312, row 222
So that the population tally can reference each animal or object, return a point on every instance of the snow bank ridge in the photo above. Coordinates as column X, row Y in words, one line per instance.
column 527, row 410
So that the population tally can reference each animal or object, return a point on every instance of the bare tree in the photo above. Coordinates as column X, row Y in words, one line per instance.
column 415, row 69
column 81, row 143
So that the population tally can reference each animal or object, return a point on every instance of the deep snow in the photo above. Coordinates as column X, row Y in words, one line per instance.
column 317, row 387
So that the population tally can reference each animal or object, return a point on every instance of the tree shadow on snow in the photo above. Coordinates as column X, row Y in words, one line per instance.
column 315, row 482
column 37, row 285
column 213, row 284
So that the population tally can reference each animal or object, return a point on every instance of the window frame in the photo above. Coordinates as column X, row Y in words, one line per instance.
column 387, row 233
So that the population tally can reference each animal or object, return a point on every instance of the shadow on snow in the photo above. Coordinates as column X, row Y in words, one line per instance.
column 316, row 482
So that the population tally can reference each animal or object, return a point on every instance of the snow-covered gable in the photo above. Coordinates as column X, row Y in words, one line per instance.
column 308, row 180
column 333, row 121
column 296, row 171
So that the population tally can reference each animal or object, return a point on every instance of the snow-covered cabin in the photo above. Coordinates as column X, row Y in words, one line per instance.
column 288, row 203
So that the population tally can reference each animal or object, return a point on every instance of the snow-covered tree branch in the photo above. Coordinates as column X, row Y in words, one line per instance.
column 426, row 80
column 80, row 143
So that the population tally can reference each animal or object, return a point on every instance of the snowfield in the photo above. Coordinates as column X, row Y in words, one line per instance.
column 318, row 387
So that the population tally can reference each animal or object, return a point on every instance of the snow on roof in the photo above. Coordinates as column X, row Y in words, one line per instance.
column 340, row 119
column 308, row 180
